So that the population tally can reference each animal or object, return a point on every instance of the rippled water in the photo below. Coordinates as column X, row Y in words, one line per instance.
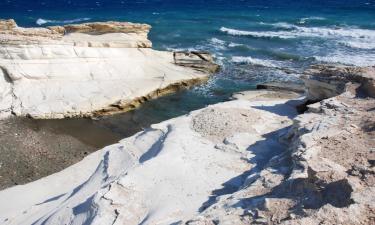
column 254, row 40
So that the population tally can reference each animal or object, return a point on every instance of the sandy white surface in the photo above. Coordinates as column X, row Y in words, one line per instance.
column 56, row 81
column 162, row 175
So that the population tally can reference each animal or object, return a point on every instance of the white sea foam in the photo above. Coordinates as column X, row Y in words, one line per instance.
column 283, row 25
column 232, row 45
column 348, row 34
column 42, row 21
column 303, row 20
column 268, row 34
column 359, row 44
column 253, row 61
column 217, row 41
column 217, row 44
column 352, row 60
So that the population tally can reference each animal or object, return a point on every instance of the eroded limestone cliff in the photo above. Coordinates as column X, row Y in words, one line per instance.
column 86, row 69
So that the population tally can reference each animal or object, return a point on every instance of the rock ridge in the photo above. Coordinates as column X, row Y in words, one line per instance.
column 11, row 33
column 327, row 174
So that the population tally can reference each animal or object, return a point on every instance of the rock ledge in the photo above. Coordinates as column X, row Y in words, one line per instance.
column 87, row 69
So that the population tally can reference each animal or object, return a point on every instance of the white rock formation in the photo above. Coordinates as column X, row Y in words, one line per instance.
column 83, row 70
column 162, row 175
column 327, row 176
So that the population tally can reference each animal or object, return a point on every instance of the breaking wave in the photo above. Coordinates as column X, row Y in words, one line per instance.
column 217, row 44
column 233, row 45
column 260, row 34
column 255, row 62
column 217, row 41
column 42, row 21
column 312, row 18
column 322, row 32
column 282, row 25
column 351, row 60
column 359, row 44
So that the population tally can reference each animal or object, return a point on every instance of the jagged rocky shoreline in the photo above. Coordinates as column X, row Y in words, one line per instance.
column 253, row 160
column 326, row 174
column 248, row 161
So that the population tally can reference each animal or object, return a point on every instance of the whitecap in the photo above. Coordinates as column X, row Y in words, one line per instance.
column 233, row 45
column 336, row 32
column 268, row 34
column 317, row 32
column 42, row 21
column 253, row 61
column 304, row 20
column 360, row 44
column 217, row 44
column 217, row 41
column 346, row 59
column 282, row 25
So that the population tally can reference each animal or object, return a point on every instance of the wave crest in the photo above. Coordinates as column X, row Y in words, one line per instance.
column 255, row 62
column 259, row 34
column 351, row 60
column 360, row 44
column 42, row 21
column 312, row 18
column 317, row 32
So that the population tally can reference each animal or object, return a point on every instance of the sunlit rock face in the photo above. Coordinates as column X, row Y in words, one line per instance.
column 326, row 81
column 83, row 70
column 162, row 175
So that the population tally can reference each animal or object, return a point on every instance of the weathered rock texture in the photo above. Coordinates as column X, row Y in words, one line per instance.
column 239, row 162
column 324, row 81
column 202, row 61
column 327, row 174
column 100, row 34
column 84, row 70
column 163, row 175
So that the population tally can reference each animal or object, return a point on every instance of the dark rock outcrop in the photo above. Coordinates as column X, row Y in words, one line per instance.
column 282, row 86
column 202, row 61
column 326, row 81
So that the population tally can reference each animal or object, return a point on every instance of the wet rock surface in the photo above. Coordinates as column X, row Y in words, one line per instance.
column 279, row 86
column 202, row 61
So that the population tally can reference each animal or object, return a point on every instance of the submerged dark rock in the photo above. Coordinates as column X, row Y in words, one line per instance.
column 202, row 61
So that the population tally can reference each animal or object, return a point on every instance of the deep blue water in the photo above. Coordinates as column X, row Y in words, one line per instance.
column 255, row 41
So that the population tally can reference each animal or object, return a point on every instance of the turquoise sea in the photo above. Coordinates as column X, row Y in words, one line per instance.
column 254, row 40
